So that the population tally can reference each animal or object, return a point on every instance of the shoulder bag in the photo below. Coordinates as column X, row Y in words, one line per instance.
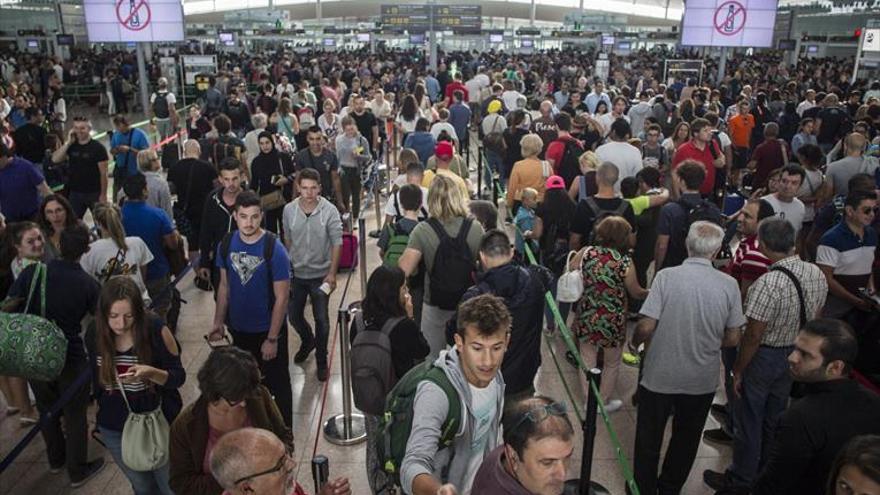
column 570, row 286
column 144, row 437
column 275, row 199
column 32, row 346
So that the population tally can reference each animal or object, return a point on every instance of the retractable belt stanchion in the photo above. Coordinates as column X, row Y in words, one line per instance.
column 347, row 428
column 584, row 485
column 362, row 253
column 480, row 172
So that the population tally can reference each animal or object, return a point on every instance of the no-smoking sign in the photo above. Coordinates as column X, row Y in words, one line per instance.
column 133, row 15
column 730, row 18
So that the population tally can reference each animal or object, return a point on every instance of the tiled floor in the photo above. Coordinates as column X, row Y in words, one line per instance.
column 29, row 474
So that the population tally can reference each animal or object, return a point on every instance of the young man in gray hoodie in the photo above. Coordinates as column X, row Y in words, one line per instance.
column 473, row 367
column 313, row 238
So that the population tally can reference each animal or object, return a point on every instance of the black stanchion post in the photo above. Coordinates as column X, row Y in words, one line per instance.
column 320, row 472
column 584, row 486
column 480, row 172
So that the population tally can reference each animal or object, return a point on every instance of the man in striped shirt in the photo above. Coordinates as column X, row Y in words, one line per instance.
column 747, row 265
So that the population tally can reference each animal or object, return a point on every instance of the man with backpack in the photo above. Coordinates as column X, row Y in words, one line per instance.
column 162, row 105
column 594, row 208
column 220, row 144
column 676, row 217
column 415, row 174
column 252, row 298
column 217, row 219
column 313, row 237
column 432, row 443
column 410, row 200
column 564, row 152
column 125, row 144
column 522, row 290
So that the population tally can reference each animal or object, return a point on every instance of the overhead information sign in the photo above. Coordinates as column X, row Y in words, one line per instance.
column 871, row 43
column 737, row 23
column 417, row 18
column 121, row 21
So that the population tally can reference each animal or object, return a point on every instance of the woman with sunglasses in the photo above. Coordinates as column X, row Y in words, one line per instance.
column 145, row 361
column 231, row 398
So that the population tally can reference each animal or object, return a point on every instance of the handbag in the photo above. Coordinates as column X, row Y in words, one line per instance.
column 144, row 437
column 32, row 346
column 570, row 286
column 275, row 199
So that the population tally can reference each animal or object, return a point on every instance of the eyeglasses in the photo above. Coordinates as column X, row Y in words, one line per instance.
column 540, row 413
column 282, row 462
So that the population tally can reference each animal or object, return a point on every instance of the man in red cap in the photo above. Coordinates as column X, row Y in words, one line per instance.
column 444, row 152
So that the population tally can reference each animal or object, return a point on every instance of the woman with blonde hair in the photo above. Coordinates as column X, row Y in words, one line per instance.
column 114, row 254
column 600, row 315
column 447, row 218
column 528, row 172
column 585, row 185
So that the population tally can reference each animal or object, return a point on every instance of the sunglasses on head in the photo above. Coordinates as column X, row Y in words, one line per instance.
column 538, row 414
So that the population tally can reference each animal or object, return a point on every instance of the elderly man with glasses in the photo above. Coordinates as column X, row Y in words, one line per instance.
column 537, row 450
column 254, row 461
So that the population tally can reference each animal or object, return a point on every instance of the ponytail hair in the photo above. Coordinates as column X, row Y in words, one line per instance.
column 109, row 220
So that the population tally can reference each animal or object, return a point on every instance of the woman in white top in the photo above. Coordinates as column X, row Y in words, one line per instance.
column 329, row 122
column 114, row 254
column 408, row 116
column 422, row 100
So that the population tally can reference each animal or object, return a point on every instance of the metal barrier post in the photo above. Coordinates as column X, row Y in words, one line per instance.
column 584, row 486
column 347, row 428
column 480, row 172
column 362, row 253
column 377, row 199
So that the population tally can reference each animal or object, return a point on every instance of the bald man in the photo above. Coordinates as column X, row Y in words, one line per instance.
column 255, row 461
column 855, row 162
column 545, row 127
column 193, row 180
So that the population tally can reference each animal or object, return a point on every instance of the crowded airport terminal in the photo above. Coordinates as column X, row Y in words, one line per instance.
column 376, row 247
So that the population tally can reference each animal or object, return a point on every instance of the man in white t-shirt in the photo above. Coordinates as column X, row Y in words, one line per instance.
column 617, row 112
column 784, row 200
column 618, row 151
column 475, row 86
column 444, row 125
column 163, row 110
column 510, row 96
column 414, row 175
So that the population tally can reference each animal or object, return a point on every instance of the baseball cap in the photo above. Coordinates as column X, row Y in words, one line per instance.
column 444, row 150
column 494, row 106
column 554, row 182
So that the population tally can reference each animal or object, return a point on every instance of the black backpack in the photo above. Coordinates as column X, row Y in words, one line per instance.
column 268, row 252
column 600, row 214
column 568, row 168
column 705, row 211
column 453, row 267
column 160, row 106
column 372, row 370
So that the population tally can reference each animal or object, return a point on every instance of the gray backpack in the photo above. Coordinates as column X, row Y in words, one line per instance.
column 372, row 371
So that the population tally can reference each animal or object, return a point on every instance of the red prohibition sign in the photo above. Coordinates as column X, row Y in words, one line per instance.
column 133, row 14
column 730, row 18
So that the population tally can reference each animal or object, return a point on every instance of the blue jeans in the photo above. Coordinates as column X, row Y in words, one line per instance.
column 143, row 483
column 728, row 358
column 301, row 290
column 766, row 385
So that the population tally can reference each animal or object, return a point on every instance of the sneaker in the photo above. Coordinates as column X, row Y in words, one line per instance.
column 55, row 469
column 323, row 373
column 93, row 468
column 613, row 405
column 631, row 359
column 716, row 480
column 375, row 234
column 720, row 413
column 718, row 435
column 28, row 420
column 303, row 353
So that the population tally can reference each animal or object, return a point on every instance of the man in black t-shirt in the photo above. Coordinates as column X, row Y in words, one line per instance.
column 607, row 202
column 193, row 181
column 319, row 158
column 830, row 123
column 30, row 139
column 87, row 167
column 366, row 122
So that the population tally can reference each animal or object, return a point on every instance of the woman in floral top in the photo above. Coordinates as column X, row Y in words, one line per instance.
column 600, row 319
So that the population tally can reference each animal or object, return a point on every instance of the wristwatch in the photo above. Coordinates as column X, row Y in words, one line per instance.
column 272, row 340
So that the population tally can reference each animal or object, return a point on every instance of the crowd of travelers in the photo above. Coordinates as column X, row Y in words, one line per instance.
column 710, row 232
